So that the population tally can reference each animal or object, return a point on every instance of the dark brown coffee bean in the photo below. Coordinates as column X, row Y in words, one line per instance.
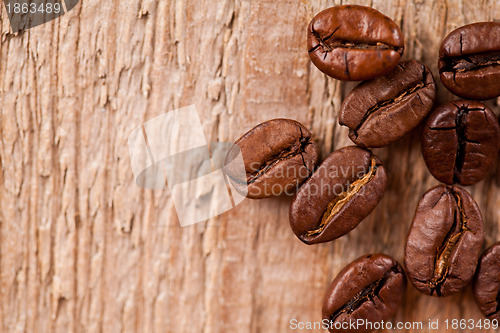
column 486, row 287
column 354, row 42
column 380, row 111
column 278, row 154
column 444, row 241
column 339, row 195
column 460, row 142
column 469, row 61
column 370, row 288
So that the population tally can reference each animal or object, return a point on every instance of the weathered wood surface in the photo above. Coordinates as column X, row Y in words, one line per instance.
column 83, row 249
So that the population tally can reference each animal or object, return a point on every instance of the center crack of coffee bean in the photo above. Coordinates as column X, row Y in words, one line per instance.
column 340, row 43
column 294, row 149
column 442, row 265
column 362, row 46
column 336, row 205
column 328, row 47
column 460, row 123
column 368, row 293
column 470, row 62
column 460, row 126
column 385, row 103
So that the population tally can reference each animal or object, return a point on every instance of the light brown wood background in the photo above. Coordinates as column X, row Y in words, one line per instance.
column 83, row 249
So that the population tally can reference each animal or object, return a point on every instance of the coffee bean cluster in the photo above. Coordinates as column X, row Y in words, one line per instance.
column 460, row 143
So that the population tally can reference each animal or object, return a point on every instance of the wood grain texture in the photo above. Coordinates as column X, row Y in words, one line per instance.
column 83, row 249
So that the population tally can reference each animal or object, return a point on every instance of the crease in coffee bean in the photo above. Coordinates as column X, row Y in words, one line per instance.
column 367, row 294
column 359, row 46
column 439, row 199
column 393, row 101
column 340, row 43
column 336, row 205
column 470, row 62
column 461, row 44
column 459, row 128
column 419, row 98
column 346, row 66
column 461, row 123
column 291, row 151
column 442, row 265
column 345, row 44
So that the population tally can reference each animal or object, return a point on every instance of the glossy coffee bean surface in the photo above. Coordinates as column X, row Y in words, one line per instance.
column 278, row 154
column 354, row 42
column 469, row 61
column 344, row 189
column 370, row 288
column 460, row 142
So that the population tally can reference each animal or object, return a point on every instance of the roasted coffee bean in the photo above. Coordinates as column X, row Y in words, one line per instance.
column 380, row 111
column 370, row 288
column 339, row 195
column 460, row 142
column 354, row 42
column 278, row 154
column 444, row 241
column 469, row 61
column 486, row 287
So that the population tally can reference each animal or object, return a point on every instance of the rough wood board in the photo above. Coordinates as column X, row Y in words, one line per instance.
column 83, row 249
